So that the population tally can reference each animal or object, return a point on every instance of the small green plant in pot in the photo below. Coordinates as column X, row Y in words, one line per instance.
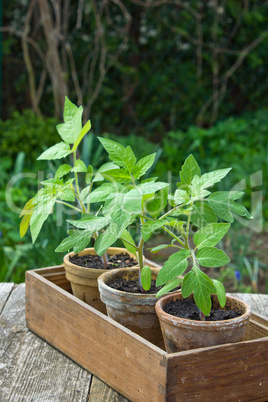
column 65, row 188
column 127, row 198
column 195, row 216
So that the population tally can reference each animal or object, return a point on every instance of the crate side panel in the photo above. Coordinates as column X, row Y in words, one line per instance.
column 123, row 360
column 234, row 371
column 257, row 328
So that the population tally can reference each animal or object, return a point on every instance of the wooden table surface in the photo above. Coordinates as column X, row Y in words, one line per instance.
column 32, row 370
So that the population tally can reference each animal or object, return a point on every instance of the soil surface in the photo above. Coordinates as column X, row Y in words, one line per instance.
column 186, row 308
column 95, row 261
column 132, row 286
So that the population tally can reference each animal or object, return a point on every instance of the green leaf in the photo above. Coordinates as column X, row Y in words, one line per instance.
column 160, row 247
column 181, row 197
column 127, row 236
column 79, row 166
column 209, row 179
column 118, row 175
column 143, row 165
column 104, row 168
column 189, row 170
column 223, row 203
column 169, row 286
column 57, row 151
column 39, row 216
column 146, row 277
column 67, row 195
column 89, row 174
column 198, row 283
column 106, row 239
column 25, row 223
column 81, row 135
column 123, row 157
column 173, row 267
column 62, row 171
column 220, row 292
column 72, row 126
column 155, row 206
column 91, row 223
column 210, row 235
column 28, row 207
column 151, row 226
column 101, row 193
column 202, row 214
column 150, row 188
column 212, row 257
column 78, row 241
column 132, row 202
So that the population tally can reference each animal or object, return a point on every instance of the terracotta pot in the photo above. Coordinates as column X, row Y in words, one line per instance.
column 84, row 280
column 183, row 334
column 133, row 310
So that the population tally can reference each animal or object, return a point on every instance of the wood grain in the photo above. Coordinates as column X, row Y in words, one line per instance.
column 96, row 342
column 30, row 369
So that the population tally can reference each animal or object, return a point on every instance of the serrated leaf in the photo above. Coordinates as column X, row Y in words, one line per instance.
column 118, row 175
column 223, row 203
column 143, row 165
column 209, row 179
column 127, row 236
column 202, row 214
column 173, row 267
column 79, row 167
column 72, row 126
column 198, row 283
column 210, row 235
column 106, row 239
column 189, row 169
column 84, row 193
column 146, row 277
column 169, row 286
column 66, row 195
column 212, row 257
column 220, row 292
column 39, row 216
column 77, row 241
column 118, row 154
column 62, row 171
column 103, row 192
column 57, row 151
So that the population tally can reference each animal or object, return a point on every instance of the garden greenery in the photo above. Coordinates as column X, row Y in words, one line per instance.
column 122, row 197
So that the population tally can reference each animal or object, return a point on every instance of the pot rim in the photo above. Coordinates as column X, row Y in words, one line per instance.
column 107, row 288
column 204, row 325
column 66, row 259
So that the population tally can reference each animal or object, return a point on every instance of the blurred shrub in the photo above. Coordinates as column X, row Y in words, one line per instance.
column 28, row 133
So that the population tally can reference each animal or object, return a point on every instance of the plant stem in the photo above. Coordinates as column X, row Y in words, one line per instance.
column 70, row 206
column 128, row 242
column 174, row 237
column 105, row 260
column 76, row 178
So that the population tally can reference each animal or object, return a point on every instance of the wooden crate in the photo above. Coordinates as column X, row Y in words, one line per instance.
column 133, row 366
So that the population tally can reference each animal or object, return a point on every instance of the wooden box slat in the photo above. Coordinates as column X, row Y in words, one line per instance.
column 133, row 366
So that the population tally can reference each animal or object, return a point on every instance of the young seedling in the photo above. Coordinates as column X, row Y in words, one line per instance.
column 67, row 191
column 195, row 207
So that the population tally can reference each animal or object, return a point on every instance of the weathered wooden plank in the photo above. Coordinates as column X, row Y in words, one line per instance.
column 5, row 290
column 124, row 360
column 233, row 372
column 30, row 369
column 100, row 392
column 258, row 302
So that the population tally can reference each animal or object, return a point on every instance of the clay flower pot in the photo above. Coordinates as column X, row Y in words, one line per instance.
column 84, row 280
column 133, row 310
column 184, row 334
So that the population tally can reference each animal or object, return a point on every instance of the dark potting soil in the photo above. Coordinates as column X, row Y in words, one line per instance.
column 94, row 261
column 186, row 308
column 132, row 286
